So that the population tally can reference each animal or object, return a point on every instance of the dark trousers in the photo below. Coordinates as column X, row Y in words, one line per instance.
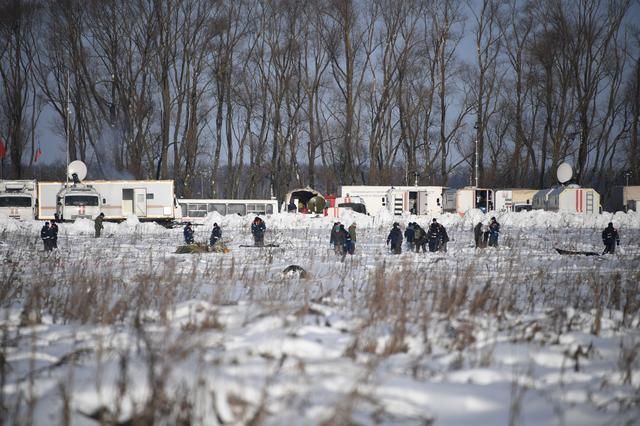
column 609, row 247
column 396, row 248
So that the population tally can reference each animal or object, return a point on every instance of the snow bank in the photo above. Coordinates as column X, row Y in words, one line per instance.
column 520, row 220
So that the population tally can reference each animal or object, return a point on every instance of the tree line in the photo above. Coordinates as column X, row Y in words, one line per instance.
column 248, row 98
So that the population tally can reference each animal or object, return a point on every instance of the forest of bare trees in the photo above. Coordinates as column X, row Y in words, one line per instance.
column 249, row 98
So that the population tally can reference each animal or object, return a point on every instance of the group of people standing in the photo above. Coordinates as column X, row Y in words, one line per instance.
column 343, row 240
column 49, row 236
column 435, row 237
column 486, row 235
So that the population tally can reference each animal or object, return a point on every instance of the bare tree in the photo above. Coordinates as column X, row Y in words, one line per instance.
column 446, row 21
column 17, row 50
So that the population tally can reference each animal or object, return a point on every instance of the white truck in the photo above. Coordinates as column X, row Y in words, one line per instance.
column 18, row 199
column 62, row 201
column 149, row 200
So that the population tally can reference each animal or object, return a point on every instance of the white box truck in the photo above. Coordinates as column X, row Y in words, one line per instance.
column 62, row 201
column 18, row 199
column 149, row 200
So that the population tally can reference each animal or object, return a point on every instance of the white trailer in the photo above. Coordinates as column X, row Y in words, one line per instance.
column 464, row 199
column 514, row 200
column 18, row 199
column 573, row 199
column 425, row 201
column 375, row 197
column 149, row 200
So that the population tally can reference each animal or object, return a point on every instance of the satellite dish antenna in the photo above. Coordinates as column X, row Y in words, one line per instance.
column 77, row 171
column 564, row 172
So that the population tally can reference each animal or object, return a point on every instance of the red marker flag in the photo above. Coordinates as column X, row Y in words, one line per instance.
column 37, row 155
column 3, row 149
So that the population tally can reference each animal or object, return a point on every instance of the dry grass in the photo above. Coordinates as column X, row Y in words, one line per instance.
column 441, row 304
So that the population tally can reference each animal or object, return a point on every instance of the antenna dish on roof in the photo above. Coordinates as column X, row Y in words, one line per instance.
column 564, row 172
column 77, row 171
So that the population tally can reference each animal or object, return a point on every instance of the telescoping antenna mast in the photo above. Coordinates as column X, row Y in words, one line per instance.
column 66, row 126
column 476, row 159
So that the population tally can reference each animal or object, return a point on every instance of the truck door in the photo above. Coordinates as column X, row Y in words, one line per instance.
column 423, row 203
column 140, row 202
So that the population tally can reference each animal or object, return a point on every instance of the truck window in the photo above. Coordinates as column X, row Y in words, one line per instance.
column 80, row 200
column 15, row 201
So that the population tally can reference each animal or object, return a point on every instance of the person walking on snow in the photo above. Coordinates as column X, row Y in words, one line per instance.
column 352, row 233
column 434, row 236
column 334, row 232
column 395, row 239
column 610, row 238
column 419, row 238
column 258, row 229
column 188, row 233
column 409, row 235
column 216, row 235
column 444, row 238
column 53, row 236
column 494, row 231
column 477, row 235
column 44, row 234
column 97, row 224
column 347, row 244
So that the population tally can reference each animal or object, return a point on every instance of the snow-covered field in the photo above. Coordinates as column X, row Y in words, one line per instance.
column 121, row 330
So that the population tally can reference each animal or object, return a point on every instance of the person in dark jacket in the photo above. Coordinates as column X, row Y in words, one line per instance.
column 53, row 235
column 409, row 235
column 346, row 246
column 433, row 236
column 395, row 239
column 477, row 235
column 419, row 238
column 352, row 233
column 97, row 224
column 494, row 231
column 340, row 240
column 334, row 231
column 45, row 236
column 444, row 238
column 610, row 238
column 188, row 233
column 216, row 235
column 258, row 229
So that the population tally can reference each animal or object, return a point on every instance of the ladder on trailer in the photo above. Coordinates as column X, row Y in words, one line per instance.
column 397, row 205
column 589, row 202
